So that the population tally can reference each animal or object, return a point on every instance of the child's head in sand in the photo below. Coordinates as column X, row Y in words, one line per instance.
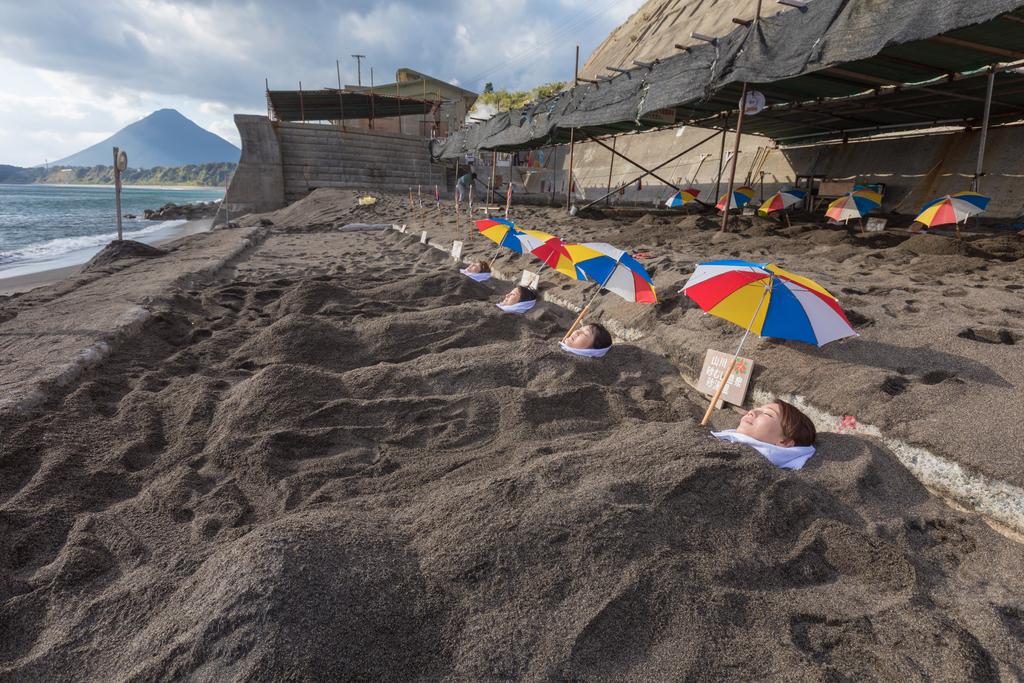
column 477, row 267
column 778, row 423
column 592, row 336
column 518, row 295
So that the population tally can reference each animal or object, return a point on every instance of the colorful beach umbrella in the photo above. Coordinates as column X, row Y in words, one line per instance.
column 553, row 253
column 615, row 270
column 952, row 209
column 853, row 205
column 682, row 198
column 740, row 197
column 781, row 200
column 771, row 302
column 504, row 234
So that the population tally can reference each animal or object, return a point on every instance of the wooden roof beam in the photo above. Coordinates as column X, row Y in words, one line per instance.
column 977, row 47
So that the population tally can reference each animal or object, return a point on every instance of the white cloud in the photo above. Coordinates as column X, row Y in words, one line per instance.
column 71, row 68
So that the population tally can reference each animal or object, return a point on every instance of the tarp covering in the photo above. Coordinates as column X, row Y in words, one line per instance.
column 794, row 53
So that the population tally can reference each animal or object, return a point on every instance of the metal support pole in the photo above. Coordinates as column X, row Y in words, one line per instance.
column 490, row 188
column 398, row 94
column 646, row 173
column 302, row 107
column 979, row 169
column 735, row 157
column 117, row 194
column 554, row 172
column 721, row 160
column 611, row 164
column 341, row 98
column 371, row 97
column 572, row 135
column 623, row 156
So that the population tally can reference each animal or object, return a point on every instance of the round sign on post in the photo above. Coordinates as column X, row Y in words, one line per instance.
column 753, row 103
column 122, row 160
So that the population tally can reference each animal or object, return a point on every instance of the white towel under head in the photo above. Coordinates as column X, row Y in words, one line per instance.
column 791, row 458
column 479, row 277
column 521, row 307
column 589, row 353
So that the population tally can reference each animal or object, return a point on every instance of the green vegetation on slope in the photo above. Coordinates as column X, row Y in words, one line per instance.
column 503, row 100
column 207, row 175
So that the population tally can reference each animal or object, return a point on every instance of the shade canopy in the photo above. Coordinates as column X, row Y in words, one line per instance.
column 832, row 70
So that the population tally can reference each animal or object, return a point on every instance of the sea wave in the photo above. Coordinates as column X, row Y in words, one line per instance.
column 55, row 248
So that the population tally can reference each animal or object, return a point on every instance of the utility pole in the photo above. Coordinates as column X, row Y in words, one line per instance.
column 359, row 68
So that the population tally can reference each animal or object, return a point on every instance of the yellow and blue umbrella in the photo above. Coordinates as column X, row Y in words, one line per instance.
column 740, row 197
column 853, row 205
column 763, row 298
column 768, row 301
column 504, row 234
column 612, row 269
column 952, row 209
column 615, row 270
column 781, row 200
column 682, row 198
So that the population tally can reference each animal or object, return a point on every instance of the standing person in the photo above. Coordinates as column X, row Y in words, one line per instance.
column 463, row 184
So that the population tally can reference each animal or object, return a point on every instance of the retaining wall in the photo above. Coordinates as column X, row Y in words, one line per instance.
column 282, row 162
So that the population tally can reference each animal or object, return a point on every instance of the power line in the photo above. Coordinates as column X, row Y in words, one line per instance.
column 558, row 32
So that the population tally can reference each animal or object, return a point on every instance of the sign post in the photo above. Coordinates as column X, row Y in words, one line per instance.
column 120, row 164
column 712, row 377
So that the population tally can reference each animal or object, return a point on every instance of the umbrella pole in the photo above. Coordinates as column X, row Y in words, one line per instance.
column 732, row 363
column 786, row 214
column 586, row 307
column 495, row 257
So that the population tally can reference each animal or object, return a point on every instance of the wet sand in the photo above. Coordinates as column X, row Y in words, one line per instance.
column 339, row 460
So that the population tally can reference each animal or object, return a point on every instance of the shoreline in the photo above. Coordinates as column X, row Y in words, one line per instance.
column 123, row 186
column 19, row 284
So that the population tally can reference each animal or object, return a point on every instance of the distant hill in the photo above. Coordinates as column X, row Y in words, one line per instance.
column 164, row 138
column 208, row 175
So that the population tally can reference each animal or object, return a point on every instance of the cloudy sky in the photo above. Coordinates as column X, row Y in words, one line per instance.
column 74, row 71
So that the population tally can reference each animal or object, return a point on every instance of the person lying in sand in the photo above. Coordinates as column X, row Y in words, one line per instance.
column 478, row 270
column 778, row 431
column 591, row 340
column 519, row 300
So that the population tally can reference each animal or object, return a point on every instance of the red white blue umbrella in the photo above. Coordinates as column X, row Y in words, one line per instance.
column 682, row 198
column 741, row 196
column 763, row 298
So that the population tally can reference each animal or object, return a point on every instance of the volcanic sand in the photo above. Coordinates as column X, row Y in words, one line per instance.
column 342, row 461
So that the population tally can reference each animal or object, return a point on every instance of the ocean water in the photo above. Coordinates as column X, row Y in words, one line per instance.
column 52, row 226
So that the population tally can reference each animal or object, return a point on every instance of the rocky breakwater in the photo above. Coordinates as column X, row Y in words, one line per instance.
column 172, row 211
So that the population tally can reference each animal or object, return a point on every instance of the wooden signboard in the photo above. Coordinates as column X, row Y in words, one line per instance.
column 423, row 237
column 529, row 279
column 835, row 188
column 875, row 225
column 715, row 363
column 457, row 249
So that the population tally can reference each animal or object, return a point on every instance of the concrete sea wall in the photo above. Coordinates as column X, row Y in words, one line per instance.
column 282, row 162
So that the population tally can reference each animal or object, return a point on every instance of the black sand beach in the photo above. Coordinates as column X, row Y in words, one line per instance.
column 335, row 458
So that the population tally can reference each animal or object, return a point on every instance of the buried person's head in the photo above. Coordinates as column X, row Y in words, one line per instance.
column 518, row 295
column 778, row 423
column 592, row 336
column 478, row 267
